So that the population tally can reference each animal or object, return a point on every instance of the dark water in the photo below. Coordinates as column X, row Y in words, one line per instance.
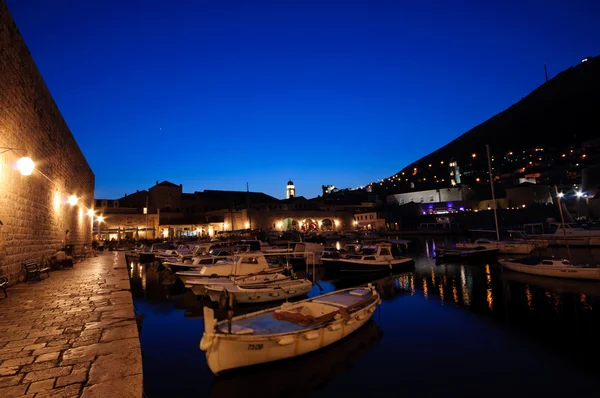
column 442, row 330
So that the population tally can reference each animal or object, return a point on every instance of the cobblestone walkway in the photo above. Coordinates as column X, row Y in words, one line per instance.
column 72, row 334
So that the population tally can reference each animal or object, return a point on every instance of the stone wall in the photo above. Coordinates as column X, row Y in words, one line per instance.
column 34, row 212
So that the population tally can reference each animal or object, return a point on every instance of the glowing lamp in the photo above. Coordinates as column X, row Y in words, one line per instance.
column 25, row 166
column 73, row 200
column 579, row 194
column 90, row 212
column 560, row 194
column 100, row 218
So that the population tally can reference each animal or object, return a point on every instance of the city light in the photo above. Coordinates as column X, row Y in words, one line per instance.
column 579, row 194
column 90, row 212
column 73, row 200
column 561, row 194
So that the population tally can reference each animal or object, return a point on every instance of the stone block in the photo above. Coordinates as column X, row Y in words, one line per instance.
column 47, row 373
column 8, row 370
column 40, row 386
column 115, row 366
column 48, row 357
column 18, row 361
column 125, row 387
column 120, row 333
column 14, row 391
column 39, row 366
column 69, row 391
column 7, row 381
column 71, row 379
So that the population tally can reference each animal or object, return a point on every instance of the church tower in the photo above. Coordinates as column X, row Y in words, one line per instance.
column 290, row 191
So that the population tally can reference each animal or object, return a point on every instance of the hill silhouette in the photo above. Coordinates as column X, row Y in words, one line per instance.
column 560, row 112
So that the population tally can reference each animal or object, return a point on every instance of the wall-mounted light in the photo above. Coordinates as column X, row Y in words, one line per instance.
column 90, row 212
column 73, row 200
column 25, row 165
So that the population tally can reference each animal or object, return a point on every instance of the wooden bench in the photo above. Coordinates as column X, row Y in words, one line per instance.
column 32, row 268
column 3, row 283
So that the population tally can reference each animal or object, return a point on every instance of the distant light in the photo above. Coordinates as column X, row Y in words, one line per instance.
column 474, row 155
column 90, row 212
column 584, row 60
column 442, row 162
column 579, row 194
column 73, row 200
column 461, row 208
column 100, row 218
column 561, row 194
column 523, row 206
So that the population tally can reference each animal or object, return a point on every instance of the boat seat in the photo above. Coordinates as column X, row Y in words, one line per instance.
column 236, row 329
column 360, row 292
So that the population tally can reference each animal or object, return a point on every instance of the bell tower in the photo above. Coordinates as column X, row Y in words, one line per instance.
column 290, row 191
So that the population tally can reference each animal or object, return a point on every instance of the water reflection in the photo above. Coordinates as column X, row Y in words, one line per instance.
column 554, row 312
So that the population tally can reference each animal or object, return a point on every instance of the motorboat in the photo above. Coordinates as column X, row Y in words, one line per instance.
column 560, row 235
column 374, row 258
column 287, row 331
column 552, row 266
column 198, row 285
column 241, row 264
column 197, row 262
column 479, row 254
column 503, row 246
column 271, row 290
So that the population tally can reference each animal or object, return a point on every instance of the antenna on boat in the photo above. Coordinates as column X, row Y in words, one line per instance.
column 562, row 219
column 487, row 149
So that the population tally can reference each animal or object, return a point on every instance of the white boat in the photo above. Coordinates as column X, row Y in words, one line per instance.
column 369, row 259
column 273, row 290
column 287, row 331
column 242, row 264
column 550, row 266
column 197, row 262
column 574, row 236
column 198, row 285
column 503, row 246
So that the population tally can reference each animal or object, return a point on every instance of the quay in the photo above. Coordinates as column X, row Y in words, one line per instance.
column 72, row 334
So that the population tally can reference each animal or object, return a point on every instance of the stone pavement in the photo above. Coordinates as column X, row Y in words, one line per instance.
column 72, row 334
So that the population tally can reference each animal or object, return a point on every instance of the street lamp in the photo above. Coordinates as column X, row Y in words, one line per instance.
column 25, row 165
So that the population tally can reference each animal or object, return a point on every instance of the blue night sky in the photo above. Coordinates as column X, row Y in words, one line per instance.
column 214, row 94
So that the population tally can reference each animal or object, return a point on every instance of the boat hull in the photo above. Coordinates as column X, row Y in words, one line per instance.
column 344, row 267
column 247, row 296
column 572, row 272
column 504, row 248
column 468, row 255
column 225, row 351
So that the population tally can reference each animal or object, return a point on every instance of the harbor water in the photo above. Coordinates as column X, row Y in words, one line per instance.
column 442, row 329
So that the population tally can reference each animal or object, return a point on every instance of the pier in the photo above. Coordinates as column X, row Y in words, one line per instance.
column 72, row 334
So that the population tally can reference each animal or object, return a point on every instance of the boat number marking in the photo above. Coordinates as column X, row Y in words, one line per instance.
column 253, row 347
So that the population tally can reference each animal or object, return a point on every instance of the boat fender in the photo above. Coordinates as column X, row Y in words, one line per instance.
column 337, row 316
column 274, row 294
column 372, row 310
column 334, row 327
column 350, row 322
column 379, row 302
column 286, row 340
column 360, row 317
column 311, row 335
column 205, row 343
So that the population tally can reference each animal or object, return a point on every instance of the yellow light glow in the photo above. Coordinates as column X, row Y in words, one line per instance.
column 25, row 166
column 474, row 155
column 337, row 222
column 57, row 200
column 478, row 179
column 225, row 225
column 100, row 218
column 73, row 200
column 442, row 162
column 90, row 212
column 279, row 225
column 247, row 225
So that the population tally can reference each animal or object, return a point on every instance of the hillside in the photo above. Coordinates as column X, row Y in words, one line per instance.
column 563, row 111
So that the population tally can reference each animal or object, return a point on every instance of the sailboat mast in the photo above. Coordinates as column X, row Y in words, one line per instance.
column 487, row 149
column 562, row 219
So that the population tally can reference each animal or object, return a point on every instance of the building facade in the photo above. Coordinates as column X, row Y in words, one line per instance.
column 41, row 212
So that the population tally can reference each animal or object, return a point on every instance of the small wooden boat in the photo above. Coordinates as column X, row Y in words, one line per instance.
column 198, row 285
column 503, row 246
column 370, row 259
column 273, row 290
column 478, row 254
column 551, row 266
column 287, row 331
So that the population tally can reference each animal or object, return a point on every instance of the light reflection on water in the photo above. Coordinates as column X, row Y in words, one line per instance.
column 515, row 311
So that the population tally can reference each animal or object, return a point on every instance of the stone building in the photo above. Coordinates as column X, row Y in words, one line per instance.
column 36, row 215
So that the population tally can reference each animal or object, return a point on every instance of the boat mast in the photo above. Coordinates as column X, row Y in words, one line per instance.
column 487, row 149
column 562, row 219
